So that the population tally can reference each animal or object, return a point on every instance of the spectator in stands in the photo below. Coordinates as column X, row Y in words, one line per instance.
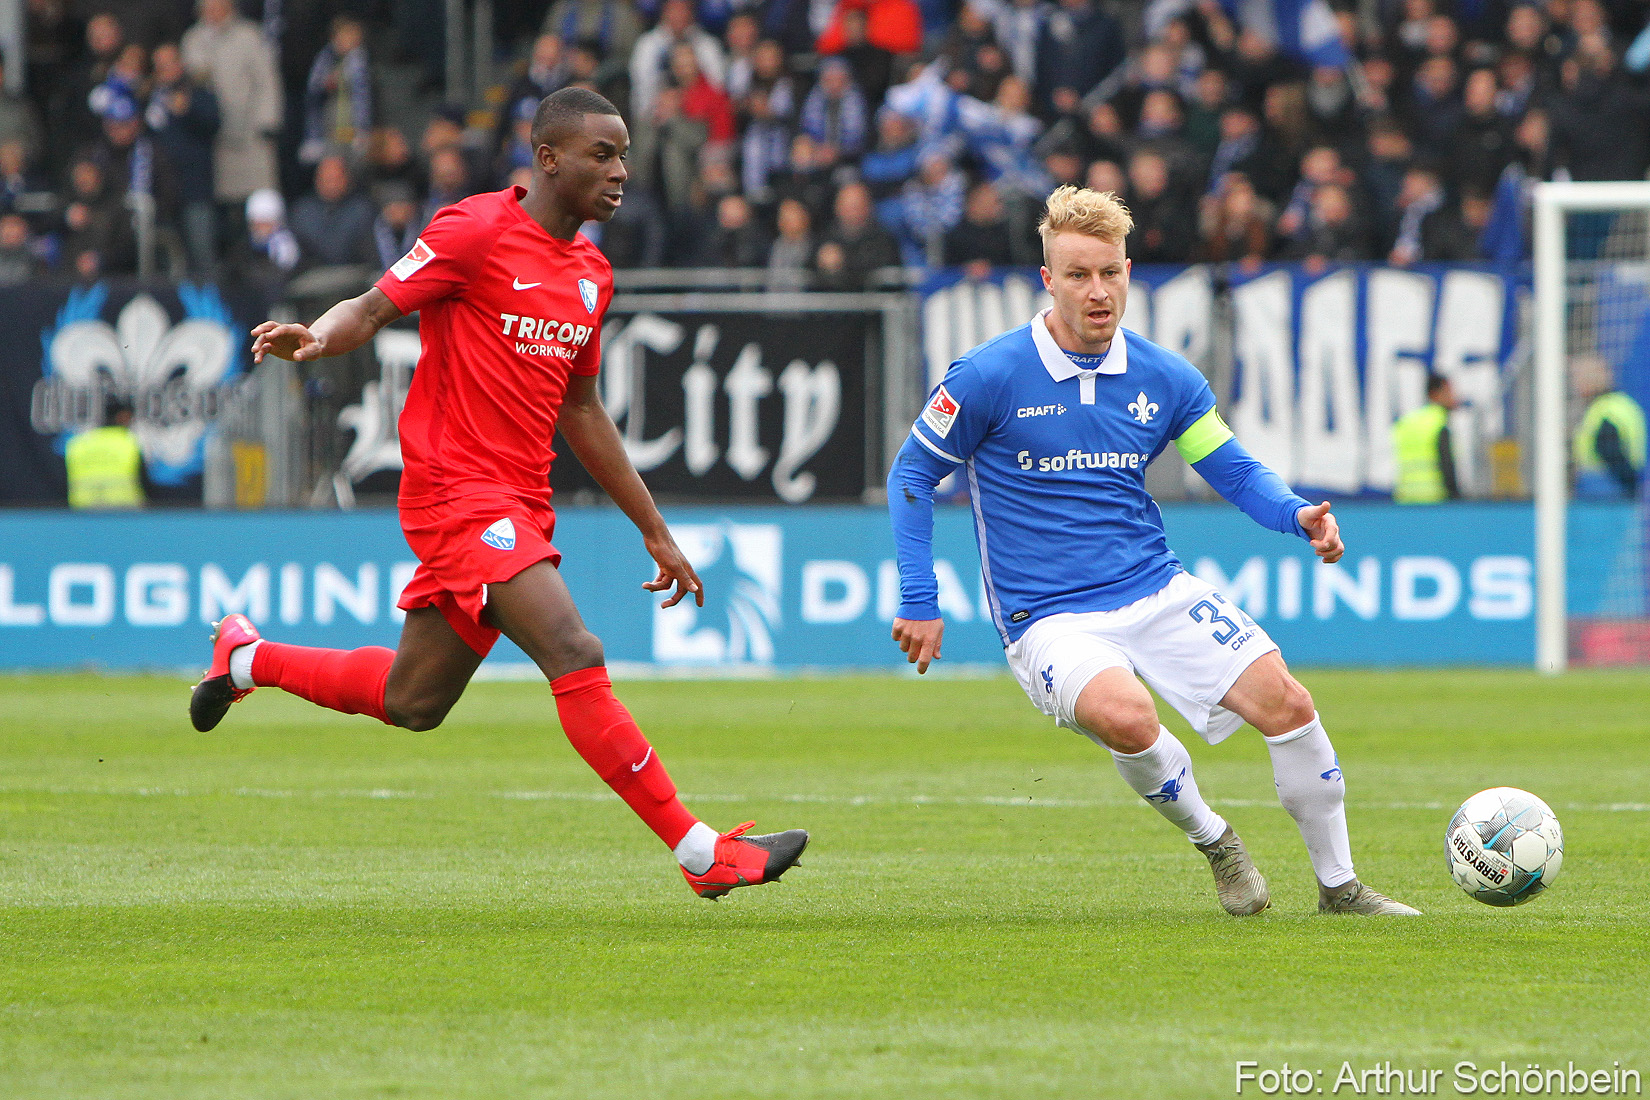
column 743, row 35
column 871, row 65
column 1483, row 143
column 981, row 240
column 269, row 253
column 1333, row 106
column 927, row 100
column 764, row 147
column 834, row 113
column 334, row 225
column 702, row 100
column 1320, row 167
column 1017, row 25
column 338, row 102
column 135, row 168
column 450, row 181
column 18, row 119
column 855, row 245
column 737, row 239
column 1429, row 227
column 1333, row 233
column 23, row 190
column 230, row 55
column 610, row 24
column 18, row 263
column 930, row 205
column 1235, row 224
column 1164, row 232
column 396, row 228
column 88, row 219
column 792, row 251
column 894, row 160
column 1435, row 110
column 1079, row 47
column 892, row 25
column 548, row 69
column 389, row 157
column 1001, row 135
column 1598, row 120
column 1208, row 101
column 664, row 154
column 71, row 118
column 516, row 151
column 807, row 178
column 1106, row 176
column 650, row 60
column 969, row 35
column 184, row 119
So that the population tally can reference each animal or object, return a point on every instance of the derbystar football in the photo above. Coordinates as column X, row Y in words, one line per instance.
column 1504, row 846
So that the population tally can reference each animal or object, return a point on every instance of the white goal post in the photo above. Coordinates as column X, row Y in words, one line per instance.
column 1554, row 202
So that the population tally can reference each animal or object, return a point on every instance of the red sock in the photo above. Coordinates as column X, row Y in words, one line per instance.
column 347, row 680
column 607, row 737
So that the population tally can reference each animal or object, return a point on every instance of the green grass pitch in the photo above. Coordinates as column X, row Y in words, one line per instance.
column 302, row 905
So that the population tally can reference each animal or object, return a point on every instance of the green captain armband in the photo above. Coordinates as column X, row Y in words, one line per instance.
column 1200, row 440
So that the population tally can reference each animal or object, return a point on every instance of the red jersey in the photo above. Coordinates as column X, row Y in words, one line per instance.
column 507, row 313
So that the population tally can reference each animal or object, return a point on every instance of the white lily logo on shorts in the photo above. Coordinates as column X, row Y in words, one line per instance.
column 1143, row 409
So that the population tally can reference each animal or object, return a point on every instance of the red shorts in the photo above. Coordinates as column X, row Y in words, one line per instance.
column 463, row 547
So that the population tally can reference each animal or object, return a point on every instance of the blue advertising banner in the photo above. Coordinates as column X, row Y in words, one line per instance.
column 786, row 587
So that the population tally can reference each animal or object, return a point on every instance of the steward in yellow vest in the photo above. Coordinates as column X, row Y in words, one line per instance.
column 1609, row 447
column 105, row 464
column 1421, row 448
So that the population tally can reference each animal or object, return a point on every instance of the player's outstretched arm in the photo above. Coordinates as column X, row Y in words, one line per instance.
column 590, row 432
column 343, row 328
column 918, row 627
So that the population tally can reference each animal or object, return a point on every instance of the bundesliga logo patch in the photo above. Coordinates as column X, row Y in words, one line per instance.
column 420, row 255
column 501, row 535
column 587, row 291
column 941, row 412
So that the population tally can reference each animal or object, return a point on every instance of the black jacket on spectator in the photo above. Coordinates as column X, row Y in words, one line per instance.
column 862, row 253
column 187, row 137
column 968, row 241
column 1602, row 129
column 1077, row 49
column 334, row 232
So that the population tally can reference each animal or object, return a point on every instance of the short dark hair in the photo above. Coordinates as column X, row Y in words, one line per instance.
column 1435, row 384
column 561, row 111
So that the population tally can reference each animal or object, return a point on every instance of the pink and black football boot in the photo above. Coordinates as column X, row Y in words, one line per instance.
column 210, row 699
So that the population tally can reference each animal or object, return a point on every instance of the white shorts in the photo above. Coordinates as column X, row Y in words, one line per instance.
column 1185, row 640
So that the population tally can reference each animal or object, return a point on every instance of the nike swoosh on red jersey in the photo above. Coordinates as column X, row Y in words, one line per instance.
column 645, row 759
column 519, row 285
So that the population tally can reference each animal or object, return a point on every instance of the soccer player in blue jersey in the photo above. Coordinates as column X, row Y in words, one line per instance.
column 1053, row 424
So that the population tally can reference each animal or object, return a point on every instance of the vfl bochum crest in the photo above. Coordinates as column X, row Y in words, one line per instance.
column 501, row 535
column 587, row 291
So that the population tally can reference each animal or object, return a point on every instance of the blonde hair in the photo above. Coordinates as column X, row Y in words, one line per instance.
column 1092, row 213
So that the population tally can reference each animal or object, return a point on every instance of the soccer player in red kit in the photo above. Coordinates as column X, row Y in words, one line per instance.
column 511, row 299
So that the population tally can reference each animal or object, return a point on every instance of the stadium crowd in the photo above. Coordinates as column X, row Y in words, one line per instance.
column 825, row 139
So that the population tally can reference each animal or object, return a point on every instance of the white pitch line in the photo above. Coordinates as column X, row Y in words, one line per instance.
column 1026, row 802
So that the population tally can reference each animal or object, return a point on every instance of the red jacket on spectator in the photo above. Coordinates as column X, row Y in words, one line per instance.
column 705, row 102
column 892, row 25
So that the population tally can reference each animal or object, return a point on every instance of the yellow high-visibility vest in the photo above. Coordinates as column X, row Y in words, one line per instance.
column 1625, row 414
column 104, row 466
column 1415, row 447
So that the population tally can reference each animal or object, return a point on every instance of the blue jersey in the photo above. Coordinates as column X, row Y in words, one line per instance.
column 1055, row 449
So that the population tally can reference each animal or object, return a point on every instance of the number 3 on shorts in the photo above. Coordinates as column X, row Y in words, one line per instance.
column 1225, row 629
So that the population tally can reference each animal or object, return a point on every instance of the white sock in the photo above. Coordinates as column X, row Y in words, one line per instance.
column 240, row 664
column 1162, row 775
column 697, row 851
column 1308, row 777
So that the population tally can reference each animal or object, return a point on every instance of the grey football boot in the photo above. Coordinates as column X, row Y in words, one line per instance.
column 1355, row 897
column 1238, row 883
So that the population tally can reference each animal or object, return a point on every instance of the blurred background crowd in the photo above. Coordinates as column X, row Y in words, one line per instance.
column 822, row 140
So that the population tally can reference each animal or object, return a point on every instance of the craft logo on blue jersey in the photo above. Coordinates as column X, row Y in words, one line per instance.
column 1143, row 409
column 1039, row 410
column 1048, row 679
column 501, row 535
column 587, row 291
column 1170, row 791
